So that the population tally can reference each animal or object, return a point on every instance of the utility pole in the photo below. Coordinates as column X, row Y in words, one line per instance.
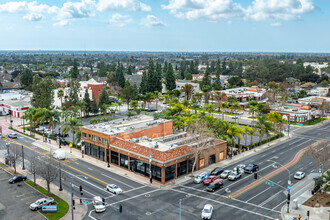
column 109, row 154
column 150, row 174
column 180, row 210
column 72, row 214
column 23, row 157
column 289, row 127
column 59, row 136
column 59, row 164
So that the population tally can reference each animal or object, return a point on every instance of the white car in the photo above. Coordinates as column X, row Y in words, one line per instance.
column 299, row 175
column 114, row 189
column 200, row 177
column 240, row 168
column 59, row 154
column 225, row 174
column 98, row 204
column 41, row 129
column 207, row 211
column 234, row 176
column 40, row 202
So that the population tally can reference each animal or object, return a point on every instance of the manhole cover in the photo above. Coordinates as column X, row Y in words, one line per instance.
column 148, row 213
column 147, row 195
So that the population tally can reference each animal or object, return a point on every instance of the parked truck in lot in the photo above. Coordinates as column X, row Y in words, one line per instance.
column 40, row 202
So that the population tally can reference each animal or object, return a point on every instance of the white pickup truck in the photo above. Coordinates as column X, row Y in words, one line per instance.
column 40, row 202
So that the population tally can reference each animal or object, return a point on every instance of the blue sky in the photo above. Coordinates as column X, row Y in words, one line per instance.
column 166, row 25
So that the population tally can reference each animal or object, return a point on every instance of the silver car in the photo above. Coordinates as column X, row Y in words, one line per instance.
column 234, row 176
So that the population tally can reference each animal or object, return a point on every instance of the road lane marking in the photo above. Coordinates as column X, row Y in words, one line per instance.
column 295, row 142
column 226, row 204
column 258, row 194
column 84, row 190
column 133, row 197
column 117, row 180
column 135, row 189
column 269, row 199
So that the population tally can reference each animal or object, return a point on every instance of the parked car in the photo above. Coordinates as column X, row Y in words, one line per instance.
column 62, row 135
column 299, row 175
column 151, row 110
column 40, row 202
column 251, row 168
column 217, row 184
column 59, row 154
column 40, row 129
column 225, row 174
column 207, row 211
column 239, row 168
column 210, row 179
column 217, row 171
column 315, row 189
column 114, row 189
column 200, row 177
column 12, row 135
column 17, row 178
column 234, row 176
column 98, row 204
column 235, row 117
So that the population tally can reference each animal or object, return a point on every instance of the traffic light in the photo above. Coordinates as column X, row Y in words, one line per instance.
column 80, row 189
column 120, row 208
column 255, row 176
column 288, row 198
column 307, row 213
column 73, row 204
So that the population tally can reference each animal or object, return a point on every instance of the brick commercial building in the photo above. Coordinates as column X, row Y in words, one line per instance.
column 138, row 143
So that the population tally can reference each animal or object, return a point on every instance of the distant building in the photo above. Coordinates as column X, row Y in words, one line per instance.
column 297, row 113
column 318, row 91
column 138, row 143
column 180, row 84
column 246, row 94
column 316, row 65
column 18, row 101
column 313, row 101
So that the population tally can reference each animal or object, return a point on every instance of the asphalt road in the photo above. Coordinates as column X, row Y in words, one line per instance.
column 146, row 202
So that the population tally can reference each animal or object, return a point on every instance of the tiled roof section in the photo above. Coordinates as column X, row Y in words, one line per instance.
column 254, row 89
column 317, row 100
column 305, row 107
column 156, row 154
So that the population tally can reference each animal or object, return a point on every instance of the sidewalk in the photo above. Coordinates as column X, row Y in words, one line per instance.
column 80, row 210
column 321, row 213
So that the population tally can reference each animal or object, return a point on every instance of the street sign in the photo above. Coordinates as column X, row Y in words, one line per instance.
column 49, row 208
column 86, row 202
column 269, row 183
column 289, row 188
column 206, row 175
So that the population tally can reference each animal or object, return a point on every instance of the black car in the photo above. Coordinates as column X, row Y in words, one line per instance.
column 315, row 189
column 17, row 178
column 251, row 168
column 151, row 110
column 62, row 135
column 217, row 184
column 217, row 171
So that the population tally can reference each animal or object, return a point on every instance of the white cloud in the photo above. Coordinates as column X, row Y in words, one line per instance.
column 151, row 21
column 213, row 10
column 120, row 20
column 278, row 9
column 62, row 23
column 276, row 24
column 33, row 17
column 122, row 5
column 72, row 10
column 30, row 7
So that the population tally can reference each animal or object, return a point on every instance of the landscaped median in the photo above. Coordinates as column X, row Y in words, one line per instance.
column 62, row 206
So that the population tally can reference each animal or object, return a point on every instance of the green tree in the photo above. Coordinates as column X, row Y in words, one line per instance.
column 42, row 92
column 129, row 93
column 235, row 81
column 60, row 95
column 73, row 97
column 120, row 75
column 74, row 72
column 103, row 98
column 158, row 78
column 102, row 69
column 87, row 101
column 302, row 93
column 144, row 83
column 324, row 83
column 234, row 131
column 72, row 124
column 129, row 70
column 95, row 108
column 170, row 78
column 26, row 78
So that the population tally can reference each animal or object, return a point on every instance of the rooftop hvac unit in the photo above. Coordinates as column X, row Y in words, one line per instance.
column 174, row 146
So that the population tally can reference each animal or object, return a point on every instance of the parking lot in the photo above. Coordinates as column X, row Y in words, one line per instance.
column 16, row 198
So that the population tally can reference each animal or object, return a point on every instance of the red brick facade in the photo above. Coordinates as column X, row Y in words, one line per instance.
column 96, row 90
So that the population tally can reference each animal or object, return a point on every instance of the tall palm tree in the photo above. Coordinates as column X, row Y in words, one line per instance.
column 34, row 116
column 251, row 132
column 81, row 105
column 60, row 95
column 246, row 130
column 263, row 126
column 234, row 131
column 275, row 118
column 72, row 124
column 156, row 95
column 224, row 106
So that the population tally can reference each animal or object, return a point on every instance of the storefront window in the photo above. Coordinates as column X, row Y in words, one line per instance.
column 124, row 161
column 191, row 164
column 156, row 172
column 182, row 168
column 169, row 172
column 114, row 157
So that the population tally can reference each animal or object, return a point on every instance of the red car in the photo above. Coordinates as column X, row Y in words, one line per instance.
column 210, row 179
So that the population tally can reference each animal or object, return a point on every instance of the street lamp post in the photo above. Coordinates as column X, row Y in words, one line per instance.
column 289, row 183
column 72, row 214
column 180, row 210
column 23, row 157
column 109, row 155
column 59, row 137
column 59, row 164
column 7, row 145
column 82, row 149
column 24, row 122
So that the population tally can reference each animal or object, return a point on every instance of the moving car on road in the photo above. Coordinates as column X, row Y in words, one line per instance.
column 17, row 178
column 207, row 211
column 12, row 135
column 217, row 184
column 59, row 154
column 225, row 174
column 200, row 177
column 40, row 202
column 299, row 175
column 98, row 204
column 239, row 168
column 217, row 171
column 234, row 176
column 251, row 168
column 210, row 179
column 114, row 189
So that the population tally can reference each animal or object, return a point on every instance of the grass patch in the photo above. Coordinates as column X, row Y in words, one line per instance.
column 62, row 206
column 318, row 120
column 252, row 117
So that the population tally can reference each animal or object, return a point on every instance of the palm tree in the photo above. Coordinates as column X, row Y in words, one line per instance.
column 252, row 109
column 246, row 130
column 209, row 107
column 263, row 126
column 251, row 132
column 134, row 104
column 224, row 106
column 234, row 131
column 81, row 105
column 94, row 121
column 72, row 124
column 60, row 94
column 34, row 116
column 156, row 95
column 104, row 108
column 275, row 118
